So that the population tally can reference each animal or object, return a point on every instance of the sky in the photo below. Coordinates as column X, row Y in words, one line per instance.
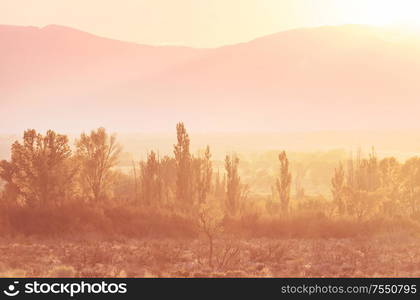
column 203, row 23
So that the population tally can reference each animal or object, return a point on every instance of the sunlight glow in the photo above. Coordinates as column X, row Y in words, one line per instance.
column 382, row 12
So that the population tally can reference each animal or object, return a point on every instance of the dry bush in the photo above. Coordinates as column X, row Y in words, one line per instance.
column 210, row 224
column 269, row 252
column 228, row 256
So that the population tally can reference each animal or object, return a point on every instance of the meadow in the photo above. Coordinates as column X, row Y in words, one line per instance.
column 387, row 255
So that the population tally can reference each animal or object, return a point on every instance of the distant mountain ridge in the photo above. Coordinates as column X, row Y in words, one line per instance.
column 326, row 78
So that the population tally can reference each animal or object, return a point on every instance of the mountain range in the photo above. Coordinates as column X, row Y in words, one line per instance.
column 349, row 77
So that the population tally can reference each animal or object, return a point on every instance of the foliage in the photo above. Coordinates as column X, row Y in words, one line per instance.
column 98, row 154
column 41, row 170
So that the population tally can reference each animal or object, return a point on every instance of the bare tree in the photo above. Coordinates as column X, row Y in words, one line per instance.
column 210, row 219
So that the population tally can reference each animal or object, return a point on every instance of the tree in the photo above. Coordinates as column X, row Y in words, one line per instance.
column 41, row 171
column 210, row 223
column 168, row 173
column 300, row 173
column 183, row 165
column 338, row 188
column 151, row 181
column 10, row 191
column 98, row 153
column 362, row 188
column 204, row 174
column 390, row 173
column 135, row 181
column 410, row 187
column 233, row 184
column 284, row 182
column 219, row 185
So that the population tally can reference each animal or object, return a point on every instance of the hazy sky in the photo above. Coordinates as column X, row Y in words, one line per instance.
column 202, row 22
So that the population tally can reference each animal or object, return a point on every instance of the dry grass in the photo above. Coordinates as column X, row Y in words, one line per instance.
column 388, row 255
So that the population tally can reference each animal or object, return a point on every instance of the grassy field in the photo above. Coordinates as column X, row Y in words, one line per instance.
column 387, row 255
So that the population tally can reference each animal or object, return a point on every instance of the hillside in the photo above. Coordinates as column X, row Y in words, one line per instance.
column 328, row 78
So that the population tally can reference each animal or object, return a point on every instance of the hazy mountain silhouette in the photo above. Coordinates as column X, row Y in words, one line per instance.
column 343, row 77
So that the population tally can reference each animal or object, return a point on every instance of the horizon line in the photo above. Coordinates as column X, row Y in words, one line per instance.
column 191, row 46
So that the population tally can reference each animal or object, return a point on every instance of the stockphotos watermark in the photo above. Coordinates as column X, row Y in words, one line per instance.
column 71, row 289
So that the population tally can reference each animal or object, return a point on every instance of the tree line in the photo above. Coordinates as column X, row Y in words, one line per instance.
column 44, row 171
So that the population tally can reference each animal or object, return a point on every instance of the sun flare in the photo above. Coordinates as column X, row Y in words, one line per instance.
column 386, row 12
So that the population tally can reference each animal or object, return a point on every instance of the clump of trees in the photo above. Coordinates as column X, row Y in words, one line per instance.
column 369, row 186
column 43, row 171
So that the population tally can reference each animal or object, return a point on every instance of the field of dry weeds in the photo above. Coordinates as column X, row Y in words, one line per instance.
column 390, row 255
